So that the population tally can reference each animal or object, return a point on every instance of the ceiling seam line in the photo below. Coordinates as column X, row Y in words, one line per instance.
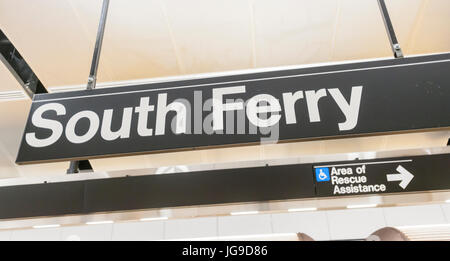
column 336, row 25
column 180, row 64
column 417, row 23
column 84, row 27
column 252, row 32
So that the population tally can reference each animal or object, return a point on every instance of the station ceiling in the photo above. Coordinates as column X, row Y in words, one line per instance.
column 147, row 40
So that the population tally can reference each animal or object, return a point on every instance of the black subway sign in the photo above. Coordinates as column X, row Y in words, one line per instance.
column 225, row 186
column 353, row 99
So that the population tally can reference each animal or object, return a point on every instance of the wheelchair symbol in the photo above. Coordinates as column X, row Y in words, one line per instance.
column 322, row 174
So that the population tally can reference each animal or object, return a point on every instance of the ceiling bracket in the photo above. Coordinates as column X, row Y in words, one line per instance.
column 19, row 68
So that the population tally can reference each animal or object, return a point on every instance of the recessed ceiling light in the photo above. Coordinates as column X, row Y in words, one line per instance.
column 244, row 213
column 47, row 226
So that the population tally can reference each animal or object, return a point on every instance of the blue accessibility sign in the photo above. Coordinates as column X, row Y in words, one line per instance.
column 322, row 174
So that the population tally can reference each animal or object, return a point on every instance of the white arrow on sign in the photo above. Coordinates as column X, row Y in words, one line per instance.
column 404, row 176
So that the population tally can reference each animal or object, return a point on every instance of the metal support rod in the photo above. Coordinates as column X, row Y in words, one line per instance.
column 390, row 30
column 98, row 47
column 73, row 167
column 92, row 80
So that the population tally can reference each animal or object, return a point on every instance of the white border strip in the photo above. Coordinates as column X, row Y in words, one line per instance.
column 364, row 163
column 172, row 78
column 241, row 81
column 12, row 96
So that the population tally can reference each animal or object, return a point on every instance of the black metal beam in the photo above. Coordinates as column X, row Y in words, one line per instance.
column 206, row 187
column 19, row 67
column 28, row 80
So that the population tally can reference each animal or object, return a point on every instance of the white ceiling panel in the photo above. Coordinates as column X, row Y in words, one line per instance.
column 360, row 32
column 432, row 31
column 158, row 38
column 13, row 115
column 210, row 35
column 426, row 27
column 137, row 42
column 291, row 32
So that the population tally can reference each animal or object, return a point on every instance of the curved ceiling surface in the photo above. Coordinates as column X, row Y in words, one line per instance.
column 160, row 38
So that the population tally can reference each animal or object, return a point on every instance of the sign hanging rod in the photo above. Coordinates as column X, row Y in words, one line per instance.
column 390, row 30
column 92, row 79
column 98, row 46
